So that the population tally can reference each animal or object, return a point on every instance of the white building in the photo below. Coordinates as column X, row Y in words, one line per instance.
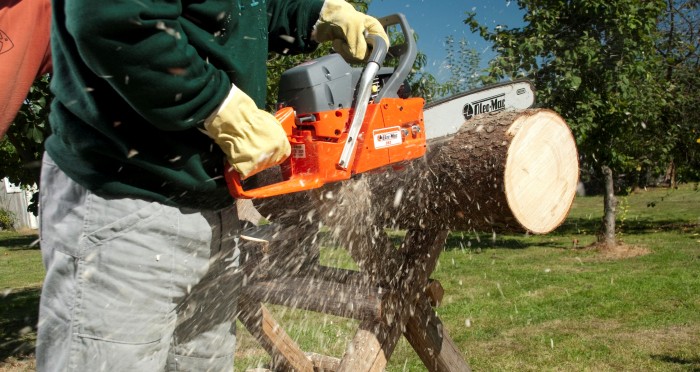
column 16, row 200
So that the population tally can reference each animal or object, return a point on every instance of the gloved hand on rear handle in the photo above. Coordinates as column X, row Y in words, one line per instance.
column 340, row 23
column 252, row 139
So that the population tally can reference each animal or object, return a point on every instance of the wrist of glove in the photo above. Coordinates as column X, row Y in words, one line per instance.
column 341, row 24
column 252, row 139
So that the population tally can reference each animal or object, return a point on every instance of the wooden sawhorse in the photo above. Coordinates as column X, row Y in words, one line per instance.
column 392, row 296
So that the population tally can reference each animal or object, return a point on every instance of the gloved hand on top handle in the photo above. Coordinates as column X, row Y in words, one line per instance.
column 340, row 23
column 252, row 139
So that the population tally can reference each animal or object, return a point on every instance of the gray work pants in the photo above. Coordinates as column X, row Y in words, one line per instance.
column 133, row 285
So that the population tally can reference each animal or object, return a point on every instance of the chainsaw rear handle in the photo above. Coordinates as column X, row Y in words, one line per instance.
column 285, row 187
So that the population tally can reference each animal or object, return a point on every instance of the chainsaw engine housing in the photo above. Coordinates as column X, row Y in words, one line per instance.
column 318, row 85
column 325, row 83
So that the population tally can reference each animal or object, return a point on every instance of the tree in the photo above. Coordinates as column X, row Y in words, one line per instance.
column 462, row 63
column 23, row 146
column 679, row 45
column 595, row 62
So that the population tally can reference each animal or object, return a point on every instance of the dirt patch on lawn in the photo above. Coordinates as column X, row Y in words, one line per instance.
column 19, row 363
column 619, row 251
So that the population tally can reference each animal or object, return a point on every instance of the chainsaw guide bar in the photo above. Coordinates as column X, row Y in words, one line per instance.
column 445, row 116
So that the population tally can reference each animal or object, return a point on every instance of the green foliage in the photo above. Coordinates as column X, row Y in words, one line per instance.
column 22, row 148
column 462, row 63
column 420, row 83
column 7, row 220
column 595, row 63
column 598, row 64
column 679, row 47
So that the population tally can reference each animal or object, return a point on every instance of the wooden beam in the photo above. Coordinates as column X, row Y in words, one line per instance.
column 371, row 347
column 374, row 342
column 324, row 362
column 286, row 354
column 435, row 292
column 429, row 338
column 338, row 299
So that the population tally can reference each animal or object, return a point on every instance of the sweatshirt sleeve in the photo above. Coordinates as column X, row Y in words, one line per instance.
column 141, row 48
column 26, row 54
column 291, row 23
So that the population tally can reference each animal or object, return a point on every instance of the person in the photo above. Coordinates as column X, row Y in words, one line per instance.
column 138, row 235
column 25, row 53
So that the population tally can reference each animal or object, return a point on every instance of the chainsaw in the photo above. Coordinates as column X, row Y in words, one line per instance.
column 337, row 132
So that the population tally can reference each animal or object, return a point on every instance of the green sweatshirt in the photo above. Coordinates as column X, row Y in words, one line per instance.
column 134, row 80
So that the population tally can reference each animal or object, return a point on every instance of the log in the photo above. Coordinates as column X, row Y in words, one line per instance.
column 515, row 170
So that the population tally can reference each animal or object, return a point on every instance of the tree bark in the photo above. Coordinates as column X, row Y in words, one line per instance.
column 607, row 236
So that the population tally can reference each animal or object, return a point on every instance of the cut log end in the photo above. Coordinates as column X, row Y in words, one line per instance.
column 541, row 171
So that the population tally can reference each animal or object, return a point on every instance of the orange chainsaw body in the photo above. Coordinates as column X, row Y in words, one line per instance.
column 392, row 132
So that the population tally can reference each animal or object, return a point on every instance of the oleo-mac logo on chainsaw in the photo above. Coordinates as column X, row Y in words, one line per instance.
column 491, row 104
column 387, row 137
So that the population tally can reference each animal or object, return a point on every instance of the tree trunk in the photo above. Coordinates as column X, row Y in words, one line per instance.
column 513, row 170
column 607, row 236
column 671, row 174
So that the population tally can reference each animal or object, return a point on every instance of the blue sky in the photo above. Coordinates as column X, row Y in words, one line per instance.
column 434, row 20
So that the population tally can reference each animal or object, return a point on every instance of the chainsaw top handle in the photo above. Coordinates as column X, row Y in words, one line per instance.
column 407, row 55
column 405, row 52
column 362, row 97
column 379, row 49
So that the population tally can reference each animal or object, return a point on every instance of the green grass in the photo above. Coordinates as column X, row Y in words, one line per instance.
column 21, row 274
column 512, row 301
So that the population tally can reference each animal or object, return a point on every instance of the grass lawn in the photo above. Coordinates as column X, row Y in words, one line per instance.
column 21, row 274
column 512, row 302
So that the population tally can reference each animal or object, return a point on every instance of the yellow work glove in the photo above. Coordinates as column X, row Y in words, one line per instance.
column 340, row 23
column 252, row 139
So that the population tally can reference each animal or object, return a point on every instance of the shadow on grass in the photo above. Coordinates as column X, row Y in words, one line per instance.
column 636, row 226
column 639, row 226
column 19, row 313
column 572, row 228
column 19, row 242
column 693, row 364
column 482, row 240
